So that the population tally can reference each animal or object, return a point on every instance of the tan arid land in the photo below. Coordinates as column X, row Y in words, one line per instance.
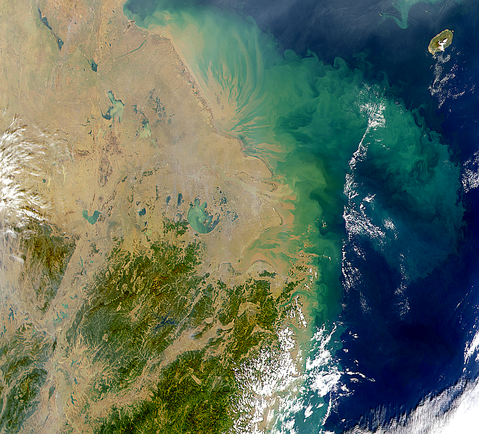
column 137, row 148
column 181, row 152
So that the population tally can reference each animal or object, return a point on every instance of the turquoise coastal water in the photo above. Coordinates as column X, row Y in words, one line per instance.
column 325, row 132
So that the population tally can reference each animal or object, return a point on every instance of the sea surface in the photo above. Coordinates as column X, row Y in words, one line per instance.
column 379, row 142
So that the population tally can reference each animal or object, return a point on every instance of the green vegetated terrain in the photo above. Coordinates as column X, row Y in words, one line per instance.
column 152, row 323
column 181, row 403
column 146, row 299
column 24, row 351
column 22, row 375
column 46, row 258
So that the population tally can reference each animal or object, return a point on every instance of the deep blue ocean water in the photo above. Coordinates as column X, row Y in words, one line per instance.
column 410, row 298
column 421, row 353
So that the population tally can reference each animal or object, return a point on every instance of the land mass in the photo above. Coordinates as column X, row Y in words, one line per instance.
column 440, row 42
column 127, row 305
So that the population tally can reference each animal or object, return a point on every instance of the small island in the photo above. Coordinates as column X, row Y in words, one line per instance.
column 440, row 42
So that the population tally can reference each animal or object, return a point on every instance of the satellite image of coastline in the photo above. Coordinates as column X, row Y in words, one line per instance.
column 224, row 216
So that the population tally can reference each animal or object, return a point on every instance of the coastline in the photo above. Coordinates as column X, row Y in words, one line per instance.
column 127, row 185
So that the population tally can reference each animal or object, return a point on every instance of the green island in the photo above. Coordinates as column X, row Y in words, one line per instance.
column 440, row 42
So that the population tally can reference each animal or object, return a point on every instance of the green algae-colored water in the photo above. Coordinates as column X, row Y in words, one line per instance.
column 173, row 348
column 322, row 129
column 312, row 123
